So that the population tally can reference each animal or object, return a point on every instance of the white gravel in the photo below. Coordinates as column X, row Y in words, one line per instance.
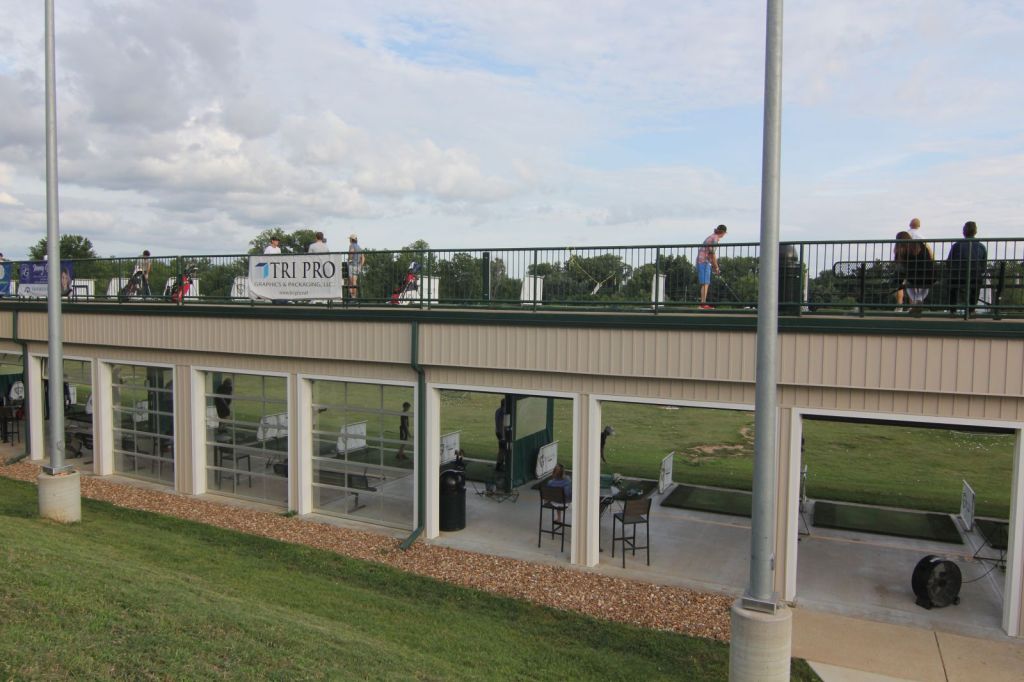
column 701, row 614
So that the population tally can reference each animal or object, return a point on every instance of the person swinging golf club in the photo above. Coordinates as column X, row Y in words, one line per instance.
column 707, row 261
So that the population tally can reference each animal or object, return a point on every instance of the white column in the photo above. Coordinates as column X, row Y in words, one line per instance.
column 586, row 480
column 1014, row 585
column 36, row 425
column 197, row 461
column 790, row 544
column 102, row 420
column 432, row 461
column 300, row 445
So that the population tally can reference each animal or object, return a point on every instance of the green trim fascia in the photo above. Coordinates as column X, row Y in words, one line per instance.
column 712, row 321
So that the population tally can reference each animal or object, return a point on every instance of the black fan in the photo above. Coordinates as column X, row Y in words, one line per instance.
column 936, row 582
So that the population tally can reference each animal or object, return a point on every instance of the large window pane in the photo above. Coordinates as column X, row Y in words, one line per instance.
column 247, row 436
column 363, row 458
column 143, row 410
column 78, row 407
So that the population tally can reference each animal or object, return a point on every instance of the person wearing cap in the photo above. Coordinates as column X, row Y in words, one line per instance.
column 707, row 261
column 356, row 261
column 318, row 246
column 274, row 247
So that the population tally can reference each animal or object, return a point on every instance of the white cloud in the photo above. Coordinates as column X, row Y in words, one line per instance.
column 477, row 123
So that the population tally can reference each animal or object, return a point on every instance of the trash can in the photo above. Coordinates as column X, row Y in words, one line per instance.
column 790, row 276
column 453, row 500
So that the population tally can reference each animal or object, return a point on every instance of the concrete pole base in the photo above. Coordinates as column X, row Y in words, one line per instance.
column 60, row 497
column 761, row 646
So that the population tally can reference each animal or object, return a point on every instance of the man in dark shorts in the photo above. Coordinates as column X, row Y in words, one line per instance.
column 403, row 431
column 499, row 433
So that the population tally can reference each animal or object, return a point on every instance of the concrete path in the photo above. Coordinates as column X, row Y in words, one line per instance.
column 843, row 649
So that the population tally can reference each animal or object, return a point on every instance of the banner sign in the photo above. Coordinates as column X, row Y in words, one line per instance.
column 351, row 438
column 6, row 268
column 295, row 277
column 34, row 275
column 547, row 458
column 450, row 443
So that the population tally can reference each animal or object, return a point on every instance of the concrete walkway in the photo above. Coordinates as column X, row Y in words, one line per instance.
column 843, row 649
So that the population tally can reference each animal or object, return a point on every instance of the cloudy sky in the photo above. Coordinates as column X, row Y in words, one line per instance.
column 188, row 126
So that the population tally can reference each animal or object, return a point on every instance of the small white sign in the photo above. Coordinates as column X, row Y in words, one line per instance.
column 352, row 438
column 450, row 442
column 272, row 426
column 665, row 475
column 967, row 497
column 547, row 458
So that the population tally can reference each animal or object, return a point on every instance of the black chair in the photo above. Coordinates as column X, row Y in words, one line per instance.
column 228, row 453
column 553, row 500
column 10, row 424
column 634, row 513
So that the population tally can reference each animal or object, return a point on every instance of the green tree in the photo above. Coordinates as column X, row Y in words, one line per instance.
column 291, row 242
column 72, row 246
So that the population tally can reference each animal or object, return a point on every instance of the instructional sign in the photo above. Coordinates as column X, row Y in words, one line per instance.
column 296, row 277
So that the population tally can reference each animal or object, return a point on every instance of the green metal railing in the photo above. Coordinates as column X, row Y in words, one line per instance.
column 816, row 277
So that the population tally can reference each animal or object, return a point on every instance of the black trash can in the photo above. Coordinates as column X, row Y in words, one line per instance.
column 790, row 280
column 453, row 500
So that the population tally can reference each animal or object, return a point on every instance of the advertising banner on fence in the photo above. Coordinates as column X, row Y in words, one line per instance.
column 296, row 277
column 6, row 268
column 33, row 275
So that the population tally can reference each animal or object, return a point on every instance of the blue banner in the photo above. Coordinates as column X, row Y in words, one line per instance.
column 6, row 268
column 33, row 278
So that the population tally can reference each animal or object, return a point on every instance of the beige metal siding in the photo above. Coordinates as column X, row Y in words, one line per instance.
column 359, row 341
column 7, row 325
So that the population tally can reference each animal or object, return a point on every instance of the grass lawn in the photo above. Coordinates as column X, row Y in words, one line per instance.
column 871, row 464
column 133, row 595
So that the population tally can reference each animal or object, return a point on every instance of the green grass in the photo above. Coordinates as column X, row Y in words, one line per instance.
column 133, row 595
column 866, row 463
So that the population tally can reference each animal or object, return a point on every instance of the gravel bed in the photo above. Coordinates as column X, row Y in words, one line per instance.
column 701, row 614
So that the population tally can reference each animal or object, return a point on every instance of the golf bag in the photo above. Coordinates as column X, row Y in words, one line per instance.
column 405, row 291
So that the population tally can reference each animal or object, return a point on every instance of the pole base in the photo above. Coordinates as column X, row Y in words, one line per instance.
column 761, row 646
column 60, row 497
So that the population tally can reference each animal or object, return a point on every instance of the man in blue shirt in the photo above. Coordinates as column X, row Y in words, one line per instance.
column 966, row 265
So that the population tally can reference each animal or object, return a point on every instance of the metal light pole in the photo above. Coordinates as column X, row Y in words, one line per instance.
column 60, row 495
column 53, row 278
column 761, row 627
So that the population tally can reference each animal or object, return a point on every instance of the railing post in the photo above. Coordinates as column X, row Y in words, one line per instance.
column 534, row 282
column 657, row 278
column 862, row 274
column 485, row 264
column 997, row 295
column 179, row 279
column 968, row 284
column 803, row 290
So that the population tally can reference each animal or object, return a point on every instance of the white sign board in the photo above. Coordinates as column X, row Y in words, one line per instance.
column 295, row 277
column 272, row 426
column 658, row 290
column 532, row 290
column 450, row 442
column 547, row 458
column 17, row 391
column 967, row 506
column 352, row 437
column 665, row 475
column 141, row 412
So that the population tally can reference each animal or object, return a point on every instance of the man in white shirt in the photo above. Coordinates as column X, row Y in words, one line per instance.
column 274, row 247
column 318, row 246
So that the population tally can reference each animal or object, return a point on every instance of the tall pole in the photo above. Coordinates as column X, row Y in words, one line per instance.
column 53, row 279
column 760, row 593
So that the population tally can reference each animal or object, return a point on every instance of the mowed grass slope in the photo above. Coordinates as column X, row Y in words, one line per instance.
column 871, row 464
column 132, row 595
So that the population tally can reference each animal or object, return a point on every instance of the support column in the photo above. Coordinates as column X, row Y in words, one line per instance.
column 181, row 400
column 760, row 646
column 432, row 461
column 195, row 462
column 36, row 425
column 787, row 507
column 102, row 420
column 300, row 445
column 586, row 480
column 1013, row 590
